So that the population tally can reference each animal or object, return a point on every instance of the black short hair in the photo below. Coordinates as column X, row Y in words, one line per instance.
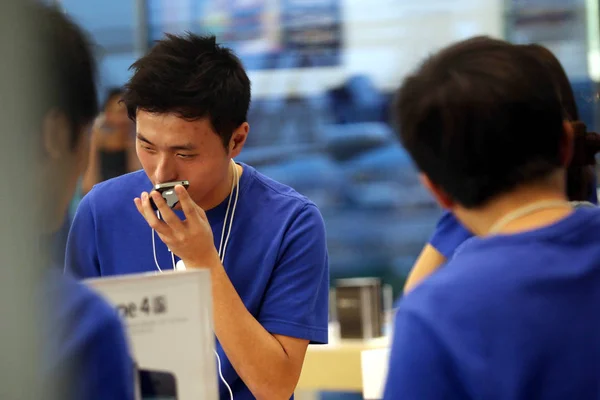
column 66, row 77
column 561, row 80
column 580, row 175
column 480, row 118
column 193, row 77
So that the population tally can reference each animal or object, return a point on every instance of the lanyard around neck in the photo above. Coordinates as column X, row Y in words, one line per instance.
column 526, row 210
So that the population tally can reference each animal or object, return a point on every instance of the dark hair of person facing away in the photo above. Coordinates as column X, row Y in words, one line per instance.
column 561, row 81
column 193, row 77
column 480, row 118
column 580, row 177
column 67, row 77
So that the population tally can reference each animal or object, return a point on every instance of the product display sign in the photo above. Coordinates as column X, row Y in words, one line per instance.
column 169, row 321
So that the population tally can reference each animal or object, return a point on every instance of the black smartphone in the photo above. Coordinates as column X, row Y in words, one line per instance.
column 157, row 385
column 167, row 191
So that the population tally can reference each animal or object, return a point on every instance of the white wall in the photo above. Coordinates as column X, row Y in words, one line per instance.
column 386, row 39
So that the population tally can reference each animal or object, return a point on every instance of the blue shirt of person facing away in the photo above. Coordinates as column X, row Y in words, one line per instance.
column 276, row 256
column 87, row 350
column 511, row 317
column 450, row 234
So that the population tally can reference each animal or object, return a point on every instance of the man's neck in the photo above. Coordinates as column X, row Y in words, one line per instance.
column 482, row 219
column 218, row 195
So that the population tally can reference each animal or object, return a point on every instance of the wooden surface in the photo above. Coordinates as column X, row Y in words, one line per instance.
column 336, row 366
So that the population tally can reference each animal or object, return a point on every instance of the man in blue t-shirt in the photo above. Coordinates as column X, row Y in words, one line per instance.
column 263, row 242
column 513, row 315
column 85, row 351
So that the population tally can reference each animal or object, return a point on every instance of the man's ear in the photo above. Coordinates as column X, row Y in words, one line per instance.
column 438, row 194
column 238, row 139
column 56, row 135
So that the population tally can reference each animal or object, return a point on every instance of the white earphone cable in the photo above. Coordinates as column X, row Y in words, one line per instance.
column 154, row 245
column 233, row 182
column 221, row 375
column 222, row 248
column 235, row 186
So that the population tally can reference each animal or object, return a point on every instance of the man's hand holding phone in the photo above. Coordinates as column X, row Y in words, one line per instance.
column 191, row 239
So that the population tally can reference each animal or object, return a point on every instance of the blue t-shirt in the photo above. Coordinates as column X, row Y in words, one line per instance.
column 449, row 234
column 276, row 256
column 512, row 317
column 87, row 350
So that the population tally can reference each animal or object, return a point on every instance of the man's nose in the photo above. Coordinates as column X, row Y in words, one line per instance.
column 166, row 170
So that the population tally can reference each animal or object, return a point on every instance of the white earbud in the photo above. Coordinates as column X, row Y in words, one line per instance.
column 180, row 266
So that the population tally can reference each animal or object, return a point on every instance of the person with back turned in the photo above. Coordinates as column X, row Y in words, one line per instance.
column 581, row 189
column 513, row 315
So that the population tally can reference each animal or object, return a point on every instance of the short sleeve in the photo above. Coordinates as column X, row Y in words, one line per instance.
column 81, row 257
column 296, row 302
column 449, row 235
column 419, row 367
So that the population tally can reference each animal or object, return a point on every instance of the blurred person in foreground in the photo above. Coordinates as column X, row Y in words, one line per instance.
column 581, row 183
column 263, row 243
column 513, row 315
column 86, row 353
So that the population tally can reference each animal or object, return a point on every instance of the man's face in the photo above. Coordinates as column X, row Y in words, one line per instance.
column 173, row 149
